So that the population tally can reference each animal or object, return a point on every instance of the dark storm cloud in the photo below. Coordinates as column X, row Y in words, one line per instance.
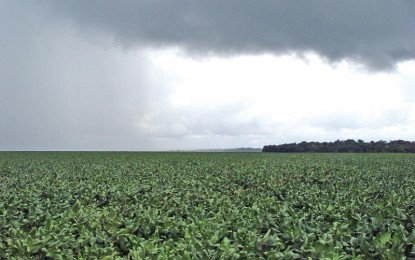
column 377, row 33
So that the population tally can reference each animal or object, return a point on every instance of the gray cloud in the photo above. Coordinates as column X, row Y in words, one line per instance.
column 221, row 120
column 74, row 75
column 376, row 33
column 60, row 91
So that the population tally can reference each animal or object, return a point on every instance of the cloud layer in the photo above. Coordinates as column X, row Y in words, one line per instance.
column 162, row 75
column 378, row 34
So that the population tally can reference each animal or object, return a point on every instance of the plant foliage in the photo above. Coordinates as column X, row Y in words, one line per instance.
column 206, row 206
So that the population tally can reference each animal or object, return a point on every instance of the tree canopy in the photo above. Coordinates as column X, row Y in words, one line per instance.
column 349, row 145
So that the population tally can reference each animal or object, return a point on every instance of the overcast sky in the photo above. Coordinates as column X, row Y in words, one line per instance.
column 186, row 74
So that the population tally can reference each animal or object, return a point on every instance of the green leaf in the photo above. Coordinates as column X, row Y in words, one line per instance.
column 186, row 255
column 385, row 237
column 267, row 234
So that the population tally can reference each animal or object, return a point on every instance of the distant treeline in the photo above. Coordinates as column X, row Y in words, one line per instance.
column 350, row 145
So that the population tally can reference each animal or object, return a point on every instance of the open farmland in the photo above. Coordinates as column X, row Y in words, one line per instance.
column 207, row 205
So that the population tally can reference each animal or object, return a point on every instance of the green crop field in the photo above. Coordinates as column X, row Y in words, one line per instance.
column 206, row 206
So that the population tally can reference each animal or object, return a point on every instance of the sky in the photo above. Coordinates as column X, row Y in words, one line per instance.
column 149, row 75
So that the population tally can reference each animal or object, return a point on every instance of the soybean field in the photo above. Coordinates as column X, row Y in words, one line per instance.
column 126, row 205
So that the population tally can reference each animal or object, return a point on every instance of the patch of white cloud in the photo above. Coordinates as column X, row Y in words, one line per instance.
column 283, row 98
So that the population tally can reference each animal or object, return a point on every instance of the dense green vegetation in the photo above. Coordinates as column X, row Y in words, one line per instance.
column 206, row 205
column 346, row 146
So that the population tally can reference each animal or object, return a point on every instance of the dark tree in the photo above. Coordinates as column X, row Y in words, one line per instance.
column 346, row 146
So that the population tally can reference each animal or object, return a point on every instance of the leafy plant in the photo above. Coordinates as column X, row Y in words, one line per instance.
column 206, row 206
